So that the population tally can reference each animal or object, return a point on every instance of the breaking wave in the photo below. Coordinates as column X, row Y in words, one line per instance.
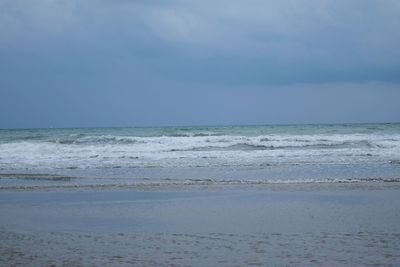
column 165, row 147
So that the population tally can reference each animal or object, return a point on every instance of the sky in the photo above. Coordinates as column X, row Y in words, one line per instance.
column 74, row 63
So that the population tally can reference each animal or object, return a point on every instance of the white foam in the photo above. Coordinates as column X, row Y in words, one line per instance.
column 168, row 151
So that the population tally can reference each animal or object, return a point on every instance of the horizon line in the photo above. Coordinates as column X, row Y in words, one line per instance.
column 196, row 125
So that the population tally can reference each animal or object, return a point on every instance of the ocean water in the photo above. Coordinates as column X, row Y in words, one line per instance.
column 201, row 196
column 206, row 155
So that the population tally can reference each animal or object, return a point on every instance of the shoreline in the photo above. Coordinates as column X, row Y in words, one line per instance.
column 206, row 184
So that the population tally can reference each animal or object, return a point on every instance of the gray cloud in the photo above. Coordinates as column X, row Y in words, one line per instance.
column 292, row 40
column 111, row 51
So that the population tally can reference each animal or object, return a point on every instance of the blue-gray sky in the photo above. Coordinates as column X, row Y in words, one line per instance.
column 73, row 63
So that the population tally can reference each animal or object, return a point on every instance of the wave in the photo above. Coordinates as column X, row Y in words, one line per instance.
column 115, row 139
column 182, row 141
column 240, row 146
column 36, row 176
column 193, row 134
column 102, row 139
column 249, row 146
column 82, row 151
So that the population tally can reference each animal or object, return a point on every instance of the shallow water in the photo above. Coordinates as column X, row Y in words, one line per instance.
column 197, row 228
column 200, row 249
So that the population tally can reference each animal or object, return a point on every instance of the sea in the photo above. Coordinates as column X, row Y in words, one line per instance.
column 300, row 195
column 199, row 155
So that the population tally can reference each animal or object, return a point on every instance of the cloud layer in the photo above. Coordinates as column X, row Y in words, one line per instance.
column 113, row 48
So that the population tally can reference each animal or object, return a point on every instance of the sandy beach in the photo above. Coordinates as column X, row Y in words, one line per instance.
column 202, row 227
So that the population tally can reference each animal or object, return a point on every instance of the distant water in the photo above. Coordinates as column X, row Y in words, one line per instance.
column 229, row 154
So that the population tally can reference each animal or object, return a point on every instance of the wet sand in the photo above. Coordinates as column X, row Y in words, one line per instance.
column 201, row 227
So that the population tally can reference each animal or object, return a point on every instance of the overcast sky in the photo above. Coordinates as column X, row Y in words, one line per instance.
column 77, row 63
